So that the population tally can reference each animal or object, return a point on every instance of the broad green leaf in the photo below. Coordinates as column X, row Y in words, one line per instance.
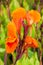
column 13, row 5
column 1, row 62
column 23, row 61
column 31, row 61
column 26, row 5
column 30, row 53
column 18, row 62
column 22, row 32
column 4, row 16
column 36, row 61
column 2, row 35
column 2, row 50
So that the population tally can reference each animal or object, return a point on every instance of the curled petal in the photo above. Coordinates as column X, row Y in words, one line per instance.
column 18, row 25
column 35, row 15
column 17, row 15
column 29, row 19
column 11, row 45
column 11, row 28
column 12, row 40
column 35, row 43
column 30, row 42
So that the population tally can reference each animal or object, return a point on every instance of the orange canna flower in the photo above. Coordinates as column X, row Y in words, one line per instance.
column 35, row 15
column 12, row 40
column 18, row 14
column 11, row 29
column 29, row 19
column 30, row 42
column 18, row 25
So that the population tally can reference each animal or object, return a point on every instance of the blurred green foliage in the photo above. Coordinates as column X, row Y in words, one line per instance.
column 28, row 61
column 32, row 58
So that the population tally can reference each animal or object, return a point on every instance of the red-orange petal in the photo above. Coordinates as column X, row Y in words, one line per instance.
column 18, row 14
column 35, row 15
column 30, row 42
column 11, row 28
column 11, row 45
column 29, row 19
column 35, row 43
column 12, row 40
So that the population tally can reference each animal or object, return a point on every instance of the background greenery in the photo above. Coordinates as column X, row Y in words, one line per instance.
column 7, row 6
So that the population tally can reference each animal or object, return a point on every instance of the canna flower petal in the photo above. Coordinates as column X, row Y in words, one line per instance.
column 11, row 28
column 35, row 43
column 17, row 15
column 29, row 19
column 12, row 40
column 35, row 15
column 30, row 42
column 11, row 45
column 18, row 25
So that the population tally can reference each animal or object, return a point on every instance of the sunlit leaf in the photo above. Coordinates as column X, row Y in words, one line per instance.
column 4, row 16
column 2, row 50
column 1, row 62
column 13, row 5
column 36, row 61
column 2, row 35
column 26, row 5
column 23, row 61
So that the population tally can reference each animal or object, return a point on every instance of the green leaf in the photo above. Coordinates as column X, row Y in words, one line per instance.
column 23, row 61
column 30, row 53
column 1, row 62
column 36, row 61
column 13, row 5
column 4, row 16
column 2, row 50
column 18, row 62
column 42, row 18
column 31, row 31
column 31, row 61
column 25, row 22
column 22, row 32
column 2, row 55
column 26, row 5
column 42, row 11
column 2, row 35
column 14, row 55
column 30, row 2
